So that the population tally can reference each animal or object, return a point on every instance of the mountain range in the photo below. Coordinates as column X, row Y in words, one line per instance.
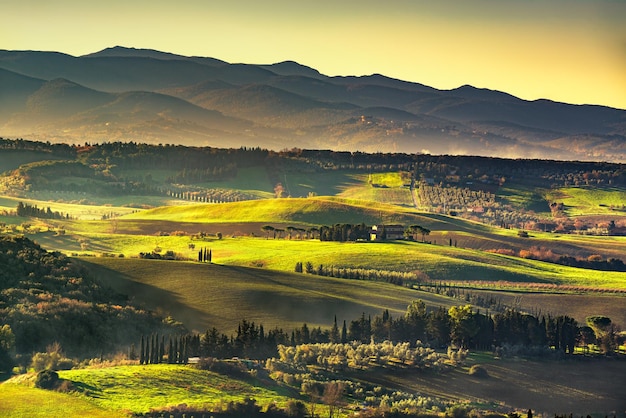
column 127, row 94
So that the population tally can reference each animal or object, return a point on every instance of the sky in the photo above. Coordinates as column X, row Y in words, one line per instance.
column 572, row 51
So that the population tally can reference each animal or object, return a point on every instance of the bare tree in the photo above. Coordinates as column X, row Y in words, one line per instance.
column 333, row 397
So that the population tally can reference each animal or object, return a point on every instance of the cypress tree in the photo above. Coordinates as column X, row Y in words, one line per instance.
column 142, row 356
column 210, row 255
column 200, row 256
column 344, row 333
column 334, row 332
column 151, row 352
column 170, row 353
column 185, row 351
column 146, row 356
column 162, row 349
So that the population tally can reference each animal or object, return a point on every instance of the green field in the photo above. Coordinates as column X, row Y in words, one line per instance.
column 439, row 262
column 139, row 388
column 76, row 210
column 585, row 201
column 118, row 391
column 20, row 401
column 203, row 296
column 522, row 196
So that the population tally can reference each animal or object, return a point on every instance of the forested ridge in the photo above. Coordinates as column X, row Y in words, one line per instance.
column 195, row 161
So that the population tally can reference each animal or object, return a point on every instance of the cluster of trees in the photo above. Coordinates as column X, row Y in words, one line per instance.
column 63, row 151
column 356, row 355
column 395, row 277
column 213, row 195
column 39, row 173
column 459, row 326
column 540, row 173
column 253, row 342
column 200, row 175
column 205, row 255
column 485, row 170
column 47, row 298
column 446, row 198
column 26, row 210
column 154, row 350
column 593, row 262
column 289, row 231
column 127, row 155
column 344, row 232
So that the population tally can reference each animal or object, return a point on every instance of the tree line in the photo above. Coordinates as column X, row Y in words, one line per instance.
column 459, row 326
column 26, row 210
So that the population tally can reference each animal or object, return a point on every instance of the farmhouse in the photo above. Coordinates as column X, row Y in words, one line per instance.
column 386, row 232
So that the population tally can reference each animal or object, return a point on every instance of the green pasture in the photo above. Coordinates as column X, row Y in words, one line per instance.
column 324, row 183
column 75, row 210
column 525, row 197
column 20, row 401
column 308, row 211
column 121, row 390
column 390, row 186
column 139, row 388
column 439, row 262
column 380, row 187
column 580, row 201
column 203, row 296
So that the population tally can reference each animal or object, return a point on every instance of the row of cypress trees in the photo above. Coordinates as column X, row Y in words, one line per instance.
column 153, row 349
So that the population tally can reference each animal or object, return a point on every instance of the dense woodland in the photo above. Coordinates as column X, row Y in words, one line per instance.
column 196, row 163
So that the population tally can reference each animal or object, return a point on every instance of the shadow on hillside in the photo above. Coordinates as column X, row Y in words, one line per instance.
column 149, row 297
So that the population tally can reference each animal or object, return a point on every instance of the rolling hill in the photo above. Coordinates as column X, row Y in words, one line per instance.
column 290, row 105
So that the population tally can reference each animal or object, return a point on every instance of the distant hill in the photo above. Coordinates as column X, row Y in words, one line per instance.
column 285, row 105
column 64, row 107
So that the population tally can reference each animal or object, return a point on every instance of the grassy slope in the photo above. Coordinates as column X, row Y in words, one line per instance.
column 19, row 401
column 76, row 210
column 139, row 388
column 585, row 201
column 116, row 391
column 439, row 262
column 312, row 211
column 204, row 296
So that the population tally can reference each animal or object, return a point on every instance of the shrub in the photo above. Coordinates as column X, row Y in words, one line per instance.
column 457, row 411
column 478, row 371
column 295, row 409
column 234, row 369
column 47, row 379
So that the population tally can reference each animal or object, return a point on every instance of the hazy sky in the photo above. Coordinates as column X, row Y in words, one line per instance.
column 566, row 50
